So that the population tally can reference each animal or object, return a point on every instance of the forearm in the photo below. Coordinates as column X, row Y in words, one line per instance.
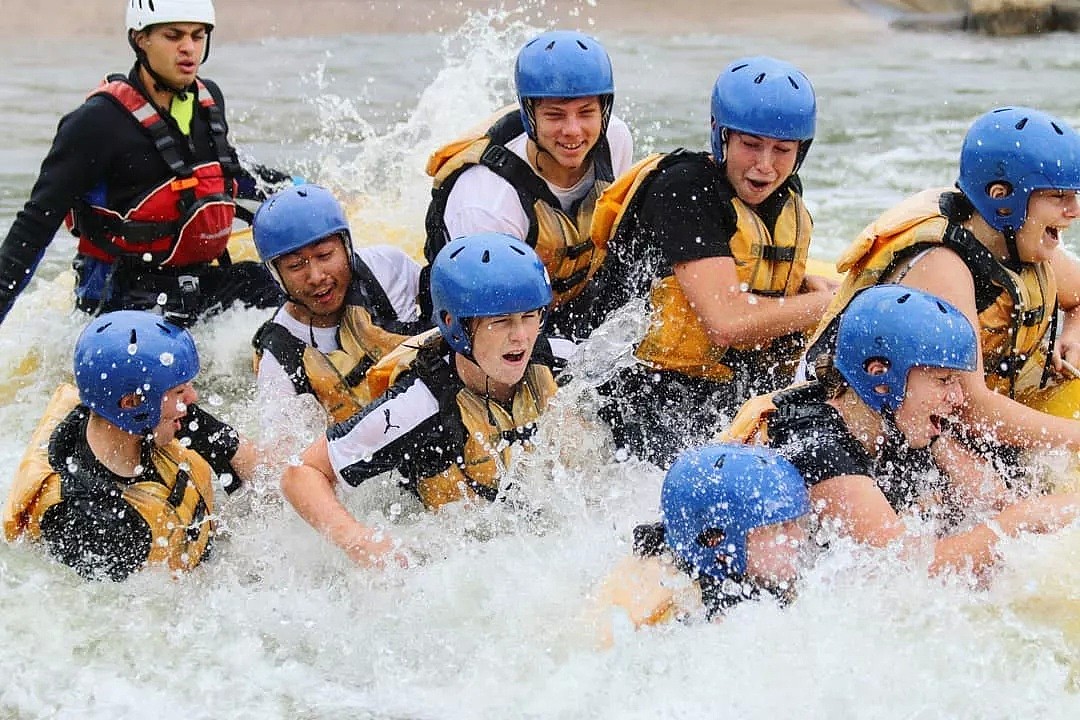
column 745, row 319
column 1012, row 423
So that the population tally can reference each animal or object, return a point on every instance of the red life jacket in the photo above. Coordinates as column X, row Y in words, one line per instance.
column 185, row 220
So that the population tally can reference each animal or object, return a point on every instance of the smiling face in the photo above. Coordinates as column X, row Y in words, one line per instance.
column 567, row 129
column 1049, row 214
column 757, row 166
column 174, row 51
column 316, row 278
column 502, row 347
column 931, row 394
column 174, row 407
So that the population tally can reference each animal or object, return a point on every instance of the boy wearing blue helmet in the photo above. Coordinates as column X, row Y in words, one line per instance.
column 993, row 247
column 870, row 436
column 118, row 474
column 730, row 521
column 718, row 243
column 459, row 401
column 537, row 172
column 345, row 307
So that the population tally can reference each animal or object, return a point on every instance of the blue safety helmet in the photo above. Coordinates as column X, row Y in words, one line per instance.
column 1025, row 148
column 563, row 64
column 294, row 218
column 714, row 495
column 484, row 275
column 906, row 328
column 766, row 97
column 132, row 351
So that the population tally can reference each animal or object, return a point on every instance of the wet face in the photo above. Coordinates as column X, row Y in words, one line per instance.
column 1049, row 214
column 567, row 129
column 317, row 277
column 174, row 407
column 757, row 166
column 174, row 51
column 773, row 553
column 503, row 345
column 931, row 395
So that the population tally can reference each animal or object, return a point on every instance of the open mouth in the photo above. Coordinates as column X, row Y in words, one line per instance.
column 758, row 185
column 1053, row 234
column 514, row 358
column 572, row 148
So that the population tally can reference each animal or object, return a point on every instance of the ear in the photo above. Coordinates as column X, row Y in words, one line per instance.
column 140, row 38
column 999, row 190
column 131, row 401
column 877, row 367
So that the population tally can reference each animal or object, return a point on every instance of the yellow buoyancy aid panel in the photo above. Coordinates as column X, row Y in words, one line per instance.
column 767, row 263
column 180, row 532
column 751, row 423
column 383, row 373
column 492, row 431
column 34, row 466
column 1009, row 328
column 332, row 374
column 613, row 203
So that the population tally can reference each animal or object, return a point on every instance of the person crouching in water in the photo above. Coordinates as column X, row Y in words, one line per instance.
column 346, row 308
column 107, row 483
column 871, row 435
column 458, row 399
column 730, row 524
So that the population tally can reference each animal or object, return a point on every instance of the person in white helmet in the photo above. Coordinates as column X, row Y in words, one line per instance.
column 144, row 175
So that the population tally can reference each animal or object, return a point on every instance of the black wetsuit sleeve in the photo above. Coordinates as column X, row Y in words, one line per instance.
column 97, row 534
column 75, row 163
column 686, row 214
column 215, row 442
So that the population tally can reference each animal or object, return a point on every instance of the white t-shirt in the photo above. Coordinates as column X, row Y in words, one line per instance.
column 399, row 276
column 481, row 201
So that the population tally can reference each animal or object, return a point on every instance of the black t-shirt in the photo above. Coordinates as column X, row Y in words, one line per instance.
column 682, row 213
column 813, row 436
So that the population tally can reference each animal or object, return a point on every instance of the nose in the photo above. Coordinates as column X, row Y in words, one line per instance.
column 1072, row 205
column 955, row 392
column 189, row 395
column 517, row 328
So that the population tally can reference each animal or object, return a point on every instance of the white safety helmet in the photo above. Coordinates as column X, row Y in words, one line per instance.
column 141, row 14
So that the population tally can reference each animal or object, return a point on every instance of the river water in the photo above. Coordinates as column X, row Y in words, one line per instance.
column 489, row 625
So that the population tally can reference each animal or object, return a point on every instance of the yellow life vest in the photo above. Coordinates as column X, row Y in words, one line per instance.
column 1014, row 322
column 767, row 263
column 489, row 428
column 180, row 529
column 337, row 379
column 562, row 240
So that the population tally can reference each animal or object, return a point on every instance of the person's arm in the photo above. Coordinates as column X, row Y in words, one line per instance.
column 310, row 489
column 973, row 484
column 859, row 510
column 1067, row 274
column 733, row 316
column 481, row 201
column 75, row 163
column 941, row 272
column 233, row 457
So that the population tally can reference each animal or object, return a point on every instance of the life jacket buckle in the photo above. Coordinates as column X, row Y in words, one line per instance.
column 181, row 184
column 494, row 156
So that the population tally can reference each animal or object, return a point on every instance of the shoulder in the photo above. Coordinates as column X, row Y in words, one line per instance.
column 686, row 169
column 215, row 90
column 388, row 262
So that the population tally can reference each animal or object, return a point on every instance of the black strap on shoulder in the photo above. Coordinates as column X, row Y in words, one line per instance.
column 288, row 350
column 366, row 291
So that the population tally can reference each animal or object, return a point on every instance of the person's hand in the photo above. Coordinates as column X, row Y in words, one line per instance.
column 1066, row 358
column 819, row 283
column 373, row 548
